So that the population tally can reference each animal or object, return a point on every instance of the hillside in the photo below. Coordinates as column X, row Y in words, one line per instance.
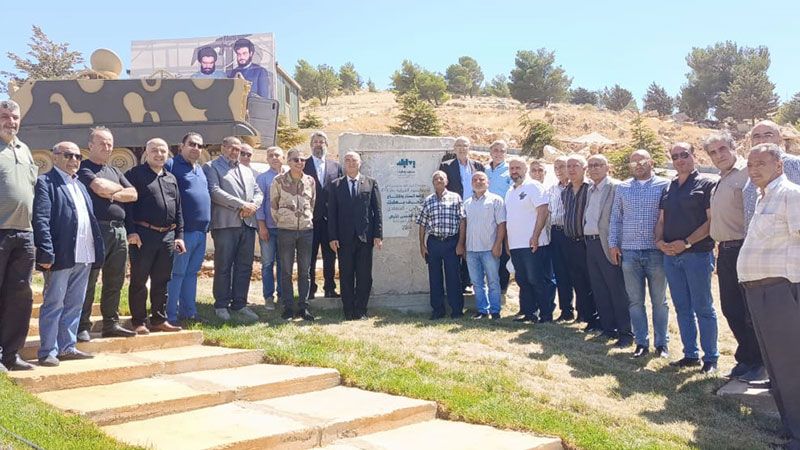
column 484, row 119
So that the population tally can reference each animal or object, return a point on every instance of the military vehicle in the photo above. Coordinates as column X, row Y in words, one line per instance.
column 136, row 110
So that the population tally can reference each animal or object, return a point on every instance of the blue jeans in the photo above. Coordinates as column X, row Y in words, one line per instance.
column 233, row 265
column 64, row 291
column 182, row 288
column 638, row 267
column 487, row 294
column 270, row 261
column 689, row 278
column 443, row 253
column 533, row 272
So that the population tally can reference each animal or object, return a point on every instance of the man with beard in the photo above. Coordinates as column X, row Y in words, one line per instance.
column 16, row 238
column 260, row 77
column 323, row 170
column 207, row 58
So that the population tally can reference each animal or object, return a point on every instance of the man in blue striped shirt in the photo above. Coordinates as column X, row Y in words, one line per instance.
column 631, row 238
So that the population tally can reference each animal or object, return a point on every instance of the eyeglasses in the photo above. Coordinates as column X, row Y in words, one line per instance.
column 75, row 156
column 246, row 154
column 639, row 163
column 682, row 155
column 295, row 159
column 194, row 144
column 595, row 165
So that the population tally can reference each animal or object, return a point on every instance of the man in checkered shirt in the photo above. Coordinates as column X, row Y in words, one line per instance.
column 769, row 270
column 442, row 219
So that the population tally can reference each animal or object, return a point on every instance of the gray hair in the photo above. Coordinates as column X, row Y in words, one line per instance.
column 775, row 150
column 642, row 152
column 439, row 172
column 274, row 148
column 598, row 156
column 156, row 142
column 719, row 136
column 480, row 174
column 230, row 141
column 64, row 144
column 320, row 134
column 9, row 105
column 353, row 153
column 499, row 143
column 98, row 129
column 577, row 157
column 293, row 153
column 517, row 159
column 463, row 139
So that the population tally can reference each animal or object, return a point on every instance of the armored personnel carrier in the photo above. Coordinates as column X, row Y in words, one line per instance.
column 136, row 110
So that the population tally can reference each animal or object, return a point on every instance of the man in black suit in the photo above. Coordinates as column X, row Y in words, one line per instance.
column 459, row 175
column 355, row 225
column 323, row 171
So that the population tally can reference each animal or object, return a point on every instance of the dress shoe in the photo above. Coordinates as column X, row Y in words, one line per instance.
column 306, row 315
column 738, row 370
column 623, row 342
column 74, row 354
column 494, row 316
column 592, row 327
column 49, row 361
column 609, row 335
column 525, row 319
column 756, row 375
column 142, row 330
column 480, row 315
column 287, row 314
column 166, row 326
column 545, row 320
column 662, row 351
column 332, row 294
column 246, row 313
column 761, row 384
column 709, row 367
column 641, row 351
column 118, row 330
column 566, row 317
column 223, row 314
column 18, row 364
column 84, row 336
column 686, row 362
column 269, row 303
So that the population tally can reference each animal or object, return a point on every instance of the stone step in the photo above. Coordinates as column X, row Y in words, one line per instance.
column 760, row 399
column 107, row 368
column 38, row 306
column 168, row 394
column 446, row 435
column 100, row 344
column 97, row 324
column 297, row 421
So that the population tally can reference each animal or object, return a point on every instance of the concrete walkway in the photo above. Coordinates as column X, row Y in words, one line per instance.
column 168, row 391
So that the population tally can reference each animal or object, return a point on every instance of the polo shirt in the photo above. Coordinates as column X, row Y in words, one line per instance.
column 195, row 198
column 684, row 206
column 499, row 179
column 521, row 214
column 17, row 180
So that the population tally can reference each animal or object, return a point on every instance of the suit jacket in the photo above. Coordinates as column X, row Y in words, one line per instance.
column 55, row 223
column 454, row 174
column 354, row 218
column 332, row 171
column 229, row 193
column 606, row 202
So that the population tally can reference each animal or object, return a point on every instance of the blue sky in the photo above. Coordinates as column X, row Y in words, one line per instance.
column 597, row 43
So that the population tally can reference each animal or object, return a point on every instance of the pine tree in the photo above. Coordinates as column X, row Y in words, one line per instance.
column 751, row 95
column 616, row 98
column 536, row 78
column 417, row 117
column 349, row 78
column 582, row 96
column 498, row 87
column 464, row 78
column 535, row 135
column 46, row 60
column 642, row 137
column 789, row 112
column 371, row 86
column 657, row 99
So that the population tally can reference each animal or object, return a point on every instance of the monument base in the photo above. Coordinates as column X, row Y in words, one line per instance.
column 414, row 303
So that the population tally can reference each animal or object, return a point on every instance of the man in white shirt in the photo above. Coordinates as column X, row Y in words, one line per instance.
column 769, row 269
column 528, row 241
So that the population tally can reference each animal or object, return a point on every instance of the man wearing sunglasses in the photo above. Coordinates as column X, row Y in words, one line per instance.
column 68, row 244
column 16, row 238
column 682, row 234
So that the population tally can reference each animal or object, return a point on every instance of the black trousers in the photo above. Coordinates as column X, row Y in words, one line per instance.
column 558, row 244
column 734, row 307
column 355, row 277
column 114, row 265
column 154, row 261
column 608, row 289
column 503, row 272
column 328, row 258
column 579, row 273
column 17, row 254
column 775, row 311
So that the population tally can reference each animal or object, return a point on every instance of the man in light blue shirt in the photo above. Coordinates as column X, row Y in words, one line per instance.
column 499, row 182
column 268, row 230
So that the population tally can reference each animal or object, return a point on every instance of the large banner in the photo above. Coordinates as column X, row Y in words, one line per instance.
column 251, row 55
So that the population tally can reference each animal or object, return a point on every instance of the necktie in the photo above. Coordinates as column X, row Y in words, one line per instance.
column 353, row 188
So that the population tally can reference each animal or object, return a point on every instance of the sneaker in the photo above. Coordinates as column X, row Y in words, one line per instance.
column 247, row 313
column 222, row 313
column 641, row 351
column 686, row 362
column 738, row 370
column 662, row 351
column 480, row 315
column 306, row 315
column 709, row 367
column 49, row 361
column 566, row 317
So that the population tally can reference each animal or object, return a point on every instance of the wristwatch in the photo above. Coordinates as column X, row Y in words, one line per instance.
column 687, row 243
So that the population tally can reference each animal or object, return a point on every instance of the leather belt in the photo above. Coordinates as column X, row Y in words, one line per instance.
column 764, row 282
column 559, row 227
column 155, row 228
column 592, row 237
column 731, row 244
column 444, row 238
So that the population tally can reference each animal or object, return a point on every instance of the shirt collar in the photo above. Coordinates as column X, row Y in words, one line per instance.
column 774, row 183
column 351, row 179
column 65, row 176
column 601, row 184
column 318, row 160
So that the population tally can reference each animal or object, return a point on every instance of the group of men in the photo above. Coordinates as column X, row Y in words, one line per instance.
column 608, row 242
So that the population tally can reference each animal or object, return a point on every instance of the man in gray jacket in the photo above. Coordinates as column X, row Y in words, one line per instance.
column 233, row 228
column 605, row 273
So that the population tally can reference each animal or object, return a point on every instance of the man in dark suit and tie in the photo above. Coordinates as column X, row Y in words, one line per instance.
column 459, row 180
column 323, row 171
column 355, row 225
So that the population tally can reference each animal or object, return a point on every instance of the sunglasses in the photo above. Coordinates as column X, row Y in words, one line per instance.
column 75, row 156
column 294, row 160
column 194, row 144
column 246, row 154
column 682, row 155
column 595, row 165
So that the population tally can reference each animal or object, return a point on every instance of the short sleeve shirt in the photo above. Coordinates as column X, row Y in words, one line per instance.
column 484, row 214
column 441, row 217
column 684, row 206
column 521, row 213
column 104, row 209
